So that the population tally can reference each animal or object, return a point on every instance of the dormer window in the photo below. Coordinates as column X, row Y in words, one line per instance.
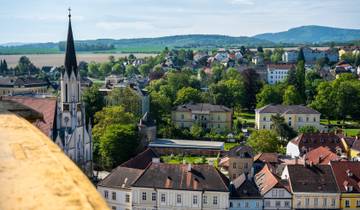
column 349, row 173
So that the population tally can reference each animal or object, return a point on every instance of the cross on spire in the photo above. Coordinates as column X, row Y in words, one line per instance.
column 69, row 12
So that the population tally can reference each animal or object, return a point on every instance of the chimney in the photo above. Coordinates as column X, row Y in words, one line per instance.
column 189, row 167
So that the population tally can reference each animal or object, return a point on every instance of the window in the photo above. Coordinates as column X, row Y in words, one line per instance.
column 298, row 203
column 264, row 118
column 307, row 119
column 307, row 201
column 215, row 200
column 195, row 199
column 153, row 196
column 162, row 198
column 113, row 208
column 106, row 194
column 358, row 203
column 246, row 165
column 273, row 193
column 300, row 119
column 246, row 204
column 257, row 204
column 234, row 165
column 333, row 202
column 316, row 201
column 113, row 195
column 205, row 199
column 127, row 198
column 281, row 193
column 144, row 196
column 178, row 198
column 231, row 204
column 182, row 116
column 277, row 204
column 324, row 202
column 314, row 119
column 263, row 126
column 267, row 203
column 287, row 204
column 347, row 203
column 66, row 93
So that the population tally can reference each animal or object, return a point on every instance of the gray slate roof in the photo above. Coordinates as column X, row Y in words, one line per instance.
column 177, row 177
column 287, row 109
column 316, row 178
column 202, row 107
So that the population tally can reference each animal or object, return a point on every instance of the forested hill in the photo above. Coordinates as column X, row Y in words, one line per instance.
column 312, row 34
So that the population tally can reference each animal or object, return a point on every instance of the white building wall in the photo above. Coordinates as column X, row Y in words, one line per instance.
column 120, row 202
column 292, row 150
column 277, row 198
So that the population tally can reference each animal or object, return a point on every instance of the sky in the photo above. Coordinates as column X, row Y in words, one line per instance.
column 46, row 20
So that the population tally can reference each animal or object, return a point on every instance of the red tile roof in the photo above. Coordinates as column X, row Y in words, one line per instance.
column 266, row 180
column 310, row 141
column 321, row 155
column 45, row 106
column 267, row 157
column 347, row 174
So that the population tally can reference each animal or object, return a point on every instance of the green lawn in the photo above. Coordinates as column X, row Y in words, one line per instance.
column 352, row 132
column 229, row 145
column 177, row 159
column 247, row 118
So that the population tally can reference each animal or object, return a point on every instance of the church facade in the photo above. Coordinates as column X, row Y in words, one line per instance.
column 73, row 135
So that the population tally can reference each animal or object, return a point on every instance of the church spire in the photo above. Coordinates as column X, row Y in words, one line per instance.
column 70, row 56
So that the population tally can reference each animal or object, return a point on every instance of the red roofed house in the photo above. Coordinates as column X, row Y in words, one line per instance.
column 278, row 72
column 304, row 143
column 321, row 155
column 347, row 175
column 275, row 191
column 45, row 106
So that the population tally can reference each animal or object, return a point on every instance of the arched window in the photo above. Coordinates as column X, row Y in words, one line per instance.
column 66, row 93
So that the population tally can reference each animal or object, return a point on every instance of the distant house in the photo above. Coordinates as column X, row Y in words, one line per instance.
column 278, row 72
column 244, row 194
column 290, row 56
column 295, row 116
column 145, row 183
column 143, row 100
column 307, row 142
column 275, row 191
column 208, row 116
column 238, row 160
column 312, row 186
column 257, row 60
column 12, row 86
column 347, row 176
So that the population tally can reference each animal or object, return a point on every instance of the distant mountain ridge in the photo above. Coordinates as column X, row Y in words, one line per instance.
column 301, row 35
column 312, row 34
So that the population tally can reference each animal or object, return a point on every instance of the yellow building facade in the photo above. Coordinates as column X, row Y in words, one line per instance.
column 207, row 116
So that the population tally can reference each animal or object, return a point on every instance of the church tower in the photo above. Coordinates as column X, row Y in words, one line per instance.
column 70, row 85
column 74, row 137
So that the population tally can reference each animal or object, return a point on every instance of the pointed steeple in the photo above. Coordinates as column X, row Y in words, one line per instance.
column 70, row 56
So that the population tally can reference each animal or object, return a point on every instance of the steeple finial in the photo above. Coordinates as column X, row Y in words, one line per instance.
column 69, row 12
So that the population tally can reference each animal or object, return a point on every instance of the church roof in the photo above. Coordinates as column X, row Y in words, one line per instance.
column 70, row 56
